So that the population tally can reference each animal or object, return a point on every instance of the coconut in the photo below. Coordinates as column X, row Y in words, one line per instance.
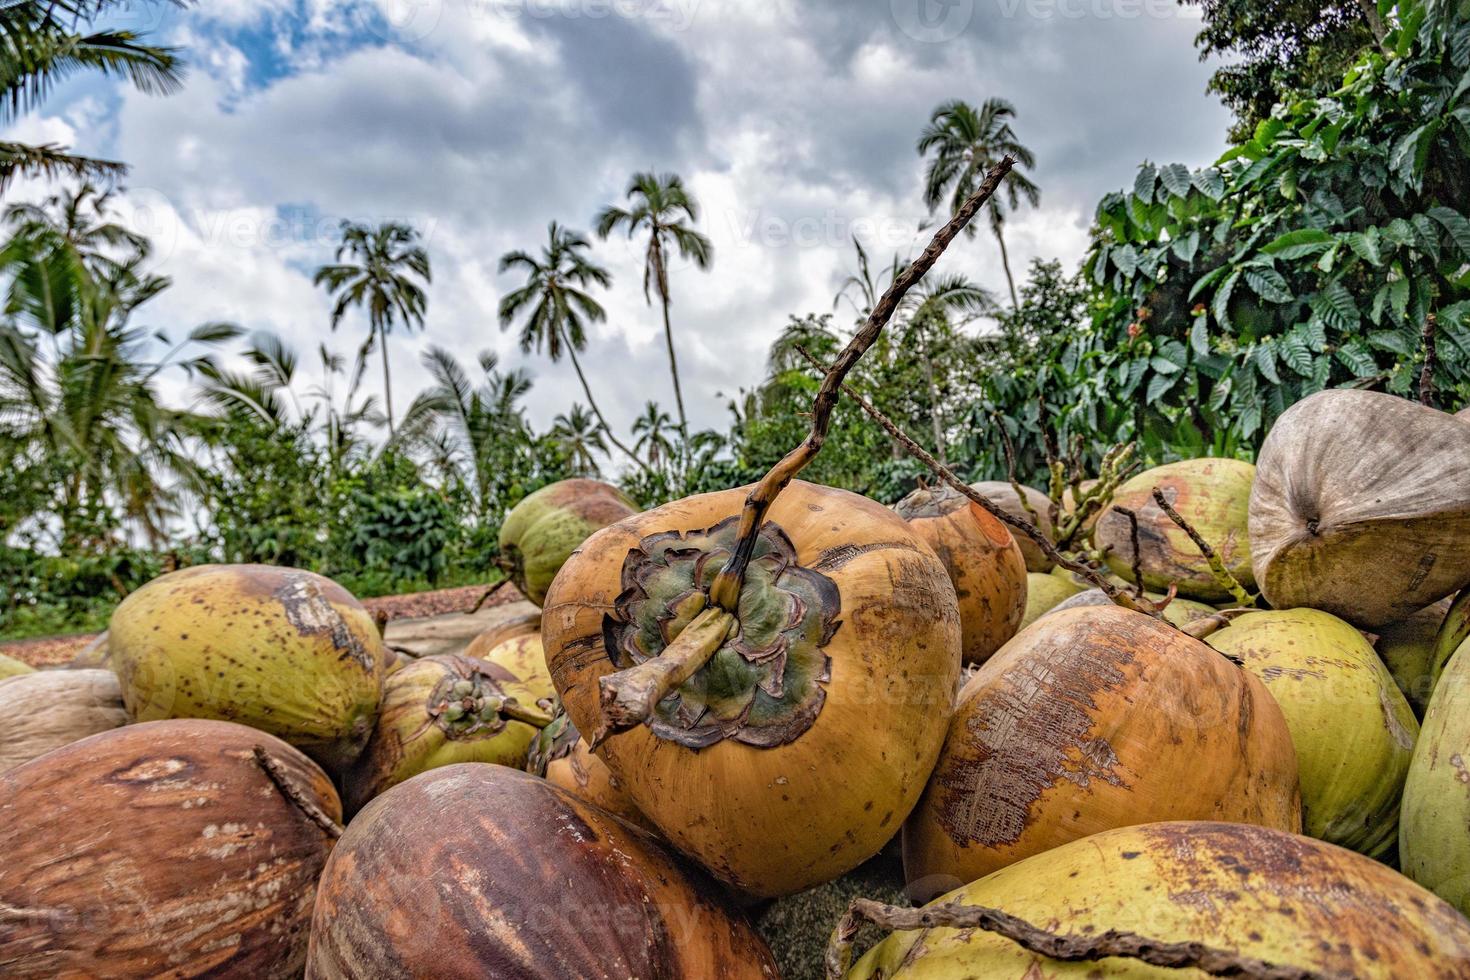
column 561, row 756
column 92, row 656
column 528, row 624
column 542, row 530
column 481, row 871
column 1043, row 593
column 1361, row 507
column 1407, row 648
column 278, row 649
column 440, row 710
column 1288, row 900
column 1180, row 612
column 10, row 667
column 1091, row 719
column 1353, row 730
column 1004, row 496
column 162, row 849
column 1434, row 848
column 1453, row 630
column 774, row 762
column 1213, row 496
column 984, row 564
column 44, row 710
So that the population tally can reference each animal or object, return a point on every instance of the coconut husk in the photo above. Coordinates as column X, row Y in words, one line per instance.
column 1003, row 495
column 1361, row 507
column 45, row 710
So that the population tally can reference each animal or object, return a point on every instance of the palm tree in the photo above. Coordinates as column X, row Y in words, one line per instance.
column 560, row 307
column 40, row 45
column 384, row 275
column 651, row 428
column 968, row 142
column 660, row 205
column 577, row 433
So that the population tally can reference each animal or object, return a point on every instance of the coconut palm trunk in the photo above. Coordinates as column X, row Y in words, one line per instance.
column 587, row 390
column 663, row 294
column 1005, row 262
column 387, row 384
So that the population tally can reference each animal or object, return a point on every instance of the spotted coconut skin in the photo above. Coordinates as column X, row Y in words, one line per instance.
column 1213, row 495
column 1264, row 893
column 160, row 849
column 279, row 649
column 477, row 870
column 1434, row 848
column 983, row 561
column 542, row 531
column 1091, row 719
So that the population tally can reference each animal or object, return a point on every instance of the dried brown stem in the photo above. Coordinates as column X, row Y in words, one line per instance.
column 1210, row 625
column 1025, row 527
column 1221, row 574
column 278, row 775
column 1431, row 361
column 725, row 590
column 1137, row 551
column 1071, row 948
column 1010, row 449
column 380, row 620
column 490, row 592
column 628, row 697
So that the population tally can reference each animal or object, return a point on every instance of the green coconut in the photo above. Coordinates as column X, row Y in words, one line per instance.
column 1407, row 648
column 1180, row 612
column 445, row 709
column 10, row 667
column 1454, row 630
column 1353, row 730
column 1262, row 893
column 279, row 649
column 543, row 530
column 1434, row 847
column 1043, row 592
column 1213, row 495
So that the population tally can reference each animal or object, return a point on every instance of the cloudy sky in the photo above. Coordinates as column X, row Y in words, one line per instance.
column 480, row 120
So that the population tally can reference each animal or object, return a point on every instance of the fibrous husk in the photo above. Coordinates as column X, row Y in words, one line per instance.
column 45, row 710
column 1180, row 612
column 1091, row 719
column 279, row 649
column 1353, row 730
column 1213, row 496
column 1044, row 592
column 1407, row 648
column 482, row 871
column 440, row 710
column 1361, row 507
column 1003, row 495
column 542, row 530
column 984, row 564
column 161, row 849
column 776, row 764
column 1434, row 847
column 10, row 667
column 1259, row 892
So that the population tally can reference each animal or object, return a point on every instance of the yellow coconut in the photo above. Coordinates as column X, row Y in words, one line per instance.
column 1353, row 730
column 1407, row 648
column 1434, row 848
column 1213, row 496
column 10, row 667
column 1274, row 896
column 1043, row 593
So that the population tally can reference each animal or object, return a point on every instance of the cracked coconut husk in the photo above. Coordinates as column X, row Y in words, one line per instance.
column 763, row 686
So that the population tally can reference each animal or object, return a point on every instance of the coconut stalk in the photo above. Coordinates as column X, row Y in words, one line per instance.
column 281, row 779
column 628, row 697
column 1221, row 574
column 1137, row 551
column 1069, row 948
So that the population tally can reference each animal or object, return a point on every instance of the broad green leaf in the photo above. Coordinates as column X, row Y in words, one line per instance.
column 1210, row 182
column 1365, row 246
column 1143, row 184
column 1187, row 247
column 1427, row 235
column 1266, row 363
column 1175, row 177
column 1454, row 223
column 1296, row 354
column 1158, row 386
column 1199, row 336
column 1221, row 305
column 1269, row 284
column 1298, row 244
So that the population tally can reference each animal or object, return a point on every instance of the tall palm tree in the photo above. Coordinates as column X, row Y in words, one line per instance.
column 966, row 143
column 652, row 429
column 386, row 274
column 43, row 42
column 660, row 205
column 577, row 433
column 555, row 294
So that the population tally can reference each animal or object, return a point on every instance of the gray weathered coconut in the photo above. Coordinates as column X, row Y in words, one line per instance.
column 1361, row 507
column 47, row 709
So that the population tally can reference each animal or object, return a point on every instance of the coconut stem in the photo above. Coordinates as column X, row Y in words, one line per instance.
column 283, row 783
column 1137, row 564
column 525, row 714
column 629, row 696
column 1071, row 948
column 1025, row 527
column 725, row 590
column 1222, row 575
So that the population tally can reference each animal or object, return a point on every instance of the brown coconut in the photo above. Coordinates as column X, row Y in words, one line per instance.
column 477, row 870
column 1003, row 495
column 160, row 850
column 1091, row 719
column 47, row 709
column 1361, row 507
column 984, row 563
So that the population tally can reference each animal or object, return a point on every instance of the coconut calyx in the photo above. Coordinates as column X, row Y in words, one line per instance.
column 468, row 703
column 756, row 676
column 555, row 741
